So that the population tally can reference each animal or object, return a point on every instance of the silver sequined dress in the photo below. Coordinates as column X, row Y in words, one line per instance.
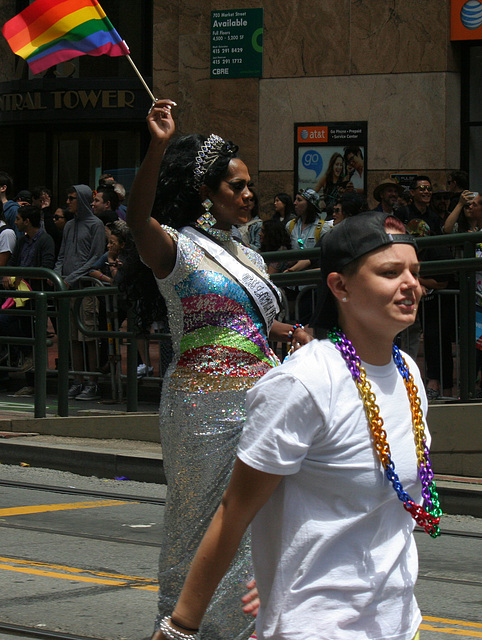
column 220, row 350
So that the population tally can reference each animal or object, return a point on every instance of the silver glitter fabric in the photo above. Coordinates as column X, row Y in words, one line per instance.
column 220, row 350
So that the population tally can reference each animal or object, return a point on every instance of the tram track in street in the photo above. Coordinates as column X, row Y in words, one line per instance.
column 16, row 631
column 82, row 492
column 19, row 631
column 86, row 536
column 161, row 501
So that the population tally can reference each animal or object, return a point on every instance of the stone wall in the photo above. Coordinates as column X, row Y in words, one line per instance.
column 389, row 63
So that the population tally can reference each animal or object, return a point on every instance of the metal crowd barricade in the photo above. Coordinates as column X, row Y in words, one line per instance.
column 39, row 340
column 464, row 267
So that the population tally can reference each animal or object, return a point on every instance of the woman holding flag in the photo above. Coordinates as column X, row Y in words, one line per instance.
column 222, row 310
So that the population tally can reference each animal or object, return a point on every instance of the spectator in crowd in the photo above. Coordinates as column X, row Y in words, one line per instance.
column 9, row 206
column 121, row 194
column 106, row 180
column 469, row 205
column 42, row 198
column 440, row 203
column 457, row 181
column 61, row 216
column 421, row 192
column 284, row 209
column 105, row 205
column 82, row 245
column 7, row 239
column 23, row 197
column 332, row 179
column 305, row 229
column 250, row 231
column 331, row 524
column 404, row 199
column 59, row 219
column 34, row 248
column 386, row 194
column 355, row 168
column 437, row 315
column 274, row 237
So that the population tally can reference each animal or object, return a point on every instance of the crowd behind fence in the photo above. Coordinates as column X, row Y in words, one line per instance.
column 52, row 302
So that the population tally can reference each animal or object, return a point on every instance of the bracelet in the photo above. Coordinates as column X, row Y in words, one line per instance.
column 175, row 634
column 178, row 624
column 293, row 329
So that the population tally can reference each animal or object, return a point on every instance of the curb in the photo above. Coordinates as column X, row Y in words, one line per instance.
column 458, row 497
column 86, row 462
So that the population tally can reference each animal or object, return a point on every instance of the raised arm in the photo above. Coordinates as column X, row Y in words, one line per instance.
column 453, row 216
column 155, row 246
column 247, row 492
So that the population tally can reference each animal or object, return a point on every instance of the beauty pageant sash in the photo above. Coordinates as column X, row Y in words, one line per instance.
column 261, row 291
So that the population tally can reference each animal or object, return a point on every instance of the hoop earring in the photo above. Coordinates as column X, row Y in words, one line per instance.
column 206, row 220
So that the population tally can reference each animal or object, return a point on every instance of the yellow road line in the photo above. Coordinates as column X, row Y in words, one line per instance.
column 72, row 573
column 60, row 567
column 62, row 576
column 45, row 508
column 454, row 632
column 477, row 625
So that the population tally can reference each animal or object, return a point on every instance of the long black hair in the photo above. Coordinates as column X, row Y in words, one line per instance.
column 178, row 202
column 136, row 281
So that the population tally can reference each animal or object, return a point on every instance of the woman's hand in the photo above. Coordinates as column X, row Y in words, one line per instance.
column 159, row 120
column 466, row 197
column 300, row 337
column 251, row 599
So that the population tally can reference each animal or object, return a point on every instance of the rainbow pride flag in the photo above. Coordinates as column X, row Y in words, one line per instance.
column 51, row 31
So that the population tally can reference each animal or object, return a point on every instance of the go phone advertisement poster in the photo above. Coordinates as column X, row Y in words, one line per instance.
column 331, row 157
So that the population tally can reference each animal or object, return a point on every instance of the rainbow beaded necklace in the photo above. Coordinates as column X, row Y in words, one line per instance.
column 428, row 515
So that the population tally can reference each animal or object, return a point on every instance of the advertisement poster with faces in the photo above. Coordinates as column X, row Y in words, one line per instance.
column 331, row 157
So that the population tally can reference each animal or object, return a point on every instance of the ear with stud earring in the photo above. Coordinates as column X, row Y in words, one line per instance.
column 206, row 220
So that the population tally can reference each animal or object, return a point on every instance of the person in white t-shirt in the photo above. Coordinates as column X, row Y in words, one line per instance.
column 7, row 240
column 332, row 516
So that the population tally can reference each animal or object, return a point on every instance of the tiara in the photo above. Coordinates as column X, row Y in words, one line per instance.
column 206, row 156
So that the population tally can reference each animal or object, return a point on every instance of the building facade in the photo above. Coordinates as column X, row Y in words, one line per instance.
column 391, row 65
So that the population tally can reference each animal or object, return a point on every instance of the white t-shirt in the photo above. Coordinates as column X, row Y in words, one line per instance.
column 333, row 550
column 7, row 239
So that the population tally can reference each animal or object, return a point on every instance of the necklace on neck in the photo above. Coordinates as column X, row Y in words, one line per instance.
column 218, row 234
column 428, row 515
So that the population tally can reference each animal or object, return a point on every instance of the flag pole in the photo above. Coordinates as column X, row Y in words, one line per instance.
column 141, row 78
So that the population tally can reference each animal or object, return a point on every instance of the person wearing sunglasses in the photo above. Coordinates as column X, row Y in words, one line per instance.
column 83, row 242
column 419, row 208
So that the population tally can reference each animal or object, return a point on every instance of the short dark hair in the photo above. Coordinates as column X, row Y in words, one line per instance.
column 37, row 192
column 6, row 179
column 356, row 151
column 461, row 178
column 109, row 195
column 32, row 213
column 413, row 184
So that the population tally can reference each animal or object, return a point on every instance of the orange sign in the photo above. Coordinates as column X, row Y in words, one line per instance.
column 312, row 134
column 466, row 20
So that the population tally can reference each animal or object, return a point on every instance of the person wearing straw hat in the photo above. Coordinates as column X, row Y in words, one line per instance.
column 333, row 467
column 386, row 194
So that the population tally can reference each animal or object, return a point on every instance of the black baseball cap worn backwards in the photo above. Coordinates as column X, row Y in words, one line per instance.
column 347, row 241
